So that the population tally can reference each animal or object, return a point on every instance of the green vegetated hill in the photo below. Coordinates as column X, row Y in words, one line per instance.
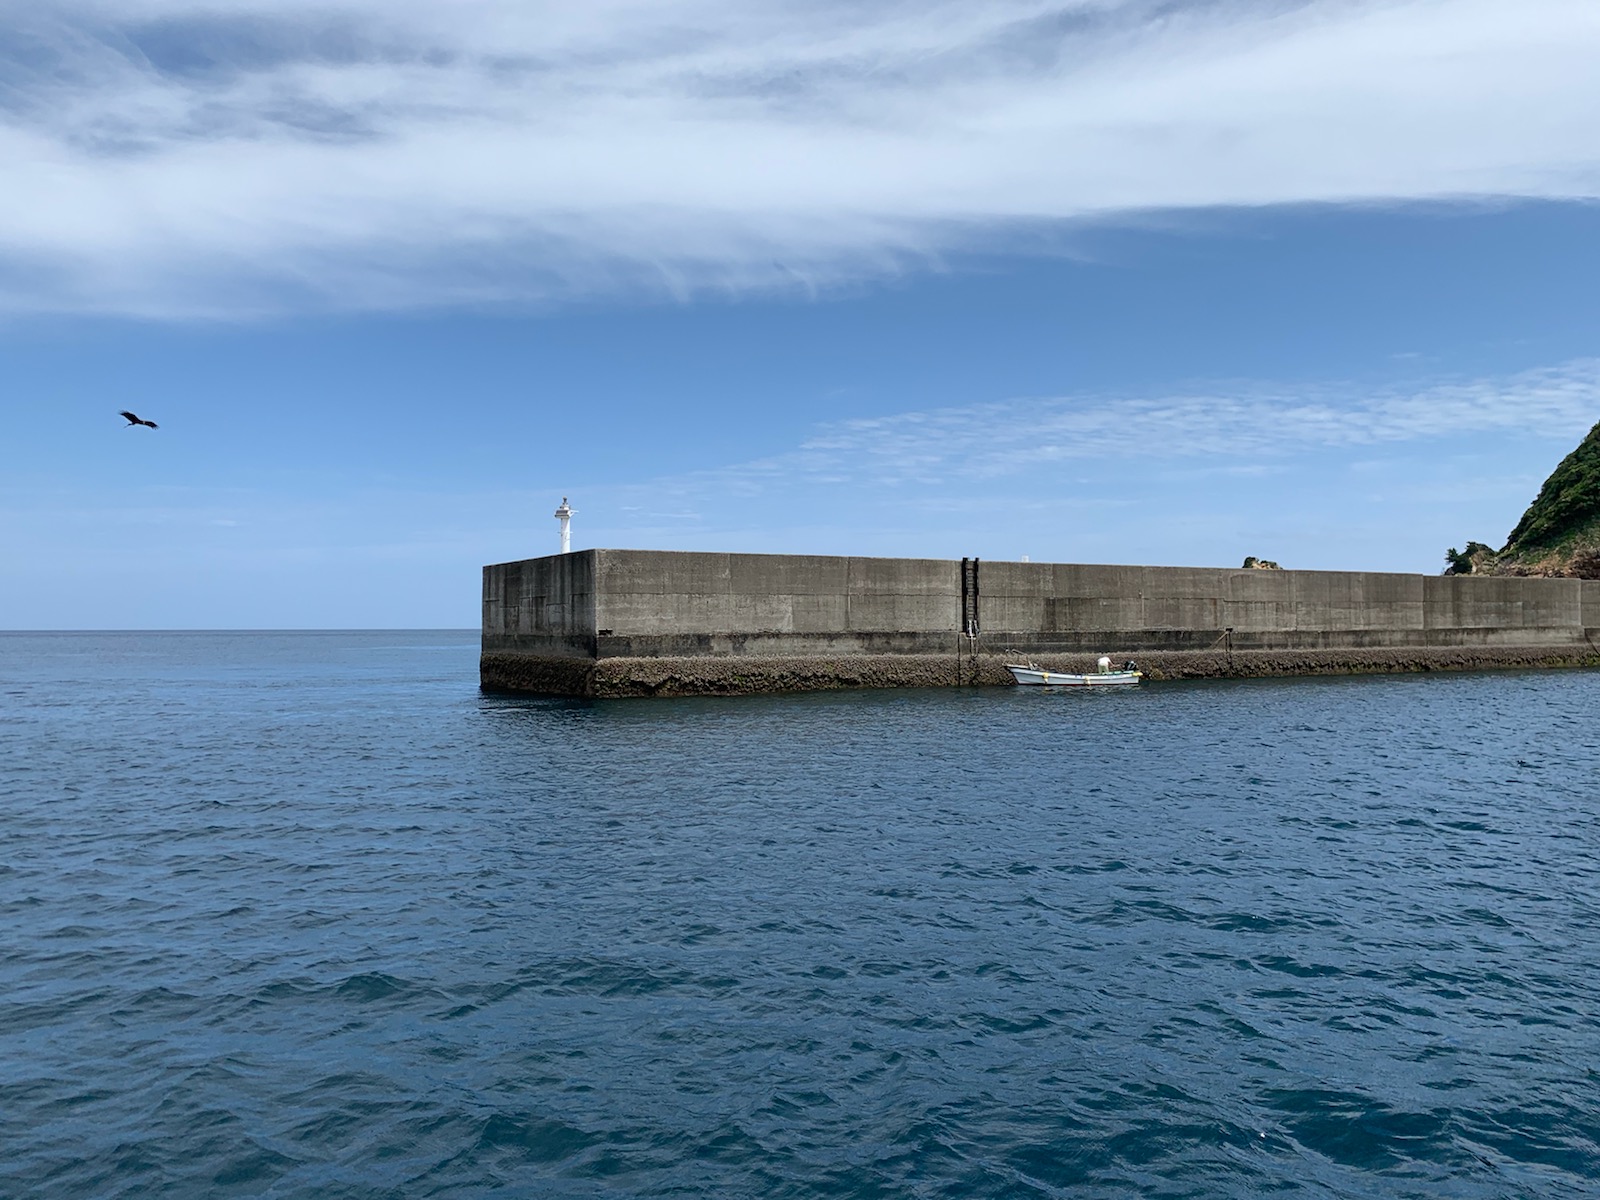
column 1559, row 535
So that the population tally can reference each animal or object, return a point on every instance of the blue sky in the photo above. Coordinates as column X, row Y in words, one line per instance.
column 1095, row 281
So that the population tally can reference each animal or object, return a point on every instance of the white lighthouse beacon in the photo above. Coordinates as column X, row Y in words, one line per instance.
column 564, row 515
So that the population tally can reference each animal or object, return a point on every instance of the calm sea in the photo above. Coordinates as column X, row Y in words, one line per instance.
column 305, row 915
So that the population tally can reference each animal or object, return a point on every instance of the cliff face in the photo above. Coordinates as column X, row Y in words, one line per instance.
column 1559, row 535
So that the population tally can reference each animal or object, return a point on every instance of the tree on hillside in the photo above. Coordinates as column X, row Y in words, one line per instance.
column 1462, row 562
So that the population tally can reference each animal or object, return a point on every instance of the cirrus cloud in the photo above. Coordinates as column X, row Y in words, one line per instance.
column 1230, row 427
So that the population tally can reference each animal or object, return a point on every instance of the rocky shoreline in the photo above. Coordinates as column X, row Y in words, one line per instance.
column 749, row 675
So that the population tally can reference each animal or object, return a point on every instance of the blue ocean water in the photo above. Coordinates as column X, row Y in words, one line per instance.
column 289, row 914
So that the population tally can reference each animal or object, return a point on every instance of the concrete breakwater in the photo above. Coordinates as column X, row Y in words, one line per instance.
column 644, row 622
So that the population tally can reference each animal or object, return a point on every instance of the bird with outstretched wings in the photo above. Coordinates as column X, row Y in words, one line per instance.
column 135, row 420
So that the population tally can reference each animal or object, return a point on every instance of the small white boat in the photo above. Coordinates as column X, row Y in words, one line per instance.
column 1029, row 673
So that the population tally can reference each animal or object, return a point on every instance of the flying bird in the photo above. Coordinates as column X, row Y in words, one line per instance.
column 134, row 420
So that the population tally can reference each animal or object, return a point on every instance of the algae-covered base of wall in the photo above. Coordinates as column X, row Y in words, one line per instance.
column 724, row 676
column 1252, row 664
column 536, row 674
column 742, row 676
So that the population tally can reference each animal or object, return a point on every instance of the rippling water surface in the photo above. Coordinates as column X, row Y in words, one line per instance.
column 307, row 915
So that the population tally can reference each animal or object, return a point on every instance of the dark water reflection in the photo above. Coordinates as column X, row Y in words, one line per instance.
column 301, row 914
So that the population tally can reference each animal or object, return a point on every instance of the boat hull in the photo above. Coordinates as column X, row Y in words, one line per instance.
column 1038, row 677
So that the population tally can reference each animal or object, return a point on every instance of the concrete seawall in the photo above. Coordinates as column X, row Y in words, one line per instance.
column 645, row 622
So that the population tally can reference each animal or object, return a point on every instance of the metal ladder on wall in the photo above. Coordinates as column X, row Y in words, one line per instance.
column 970, row 627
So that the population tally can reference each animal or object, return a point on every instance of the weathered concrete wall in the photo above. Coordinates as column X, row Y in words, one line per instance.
column 826, row 617
column 652, row 603
column 543, row 606
column 1068, row 607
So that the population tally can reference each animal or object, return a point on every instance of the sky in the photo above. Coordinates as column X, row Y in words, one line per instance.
column 1094, row 281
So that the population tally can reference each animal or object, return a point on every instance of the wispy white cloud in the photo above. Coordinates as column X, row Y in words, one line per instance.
column 1236, row 430
column 232, row 156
